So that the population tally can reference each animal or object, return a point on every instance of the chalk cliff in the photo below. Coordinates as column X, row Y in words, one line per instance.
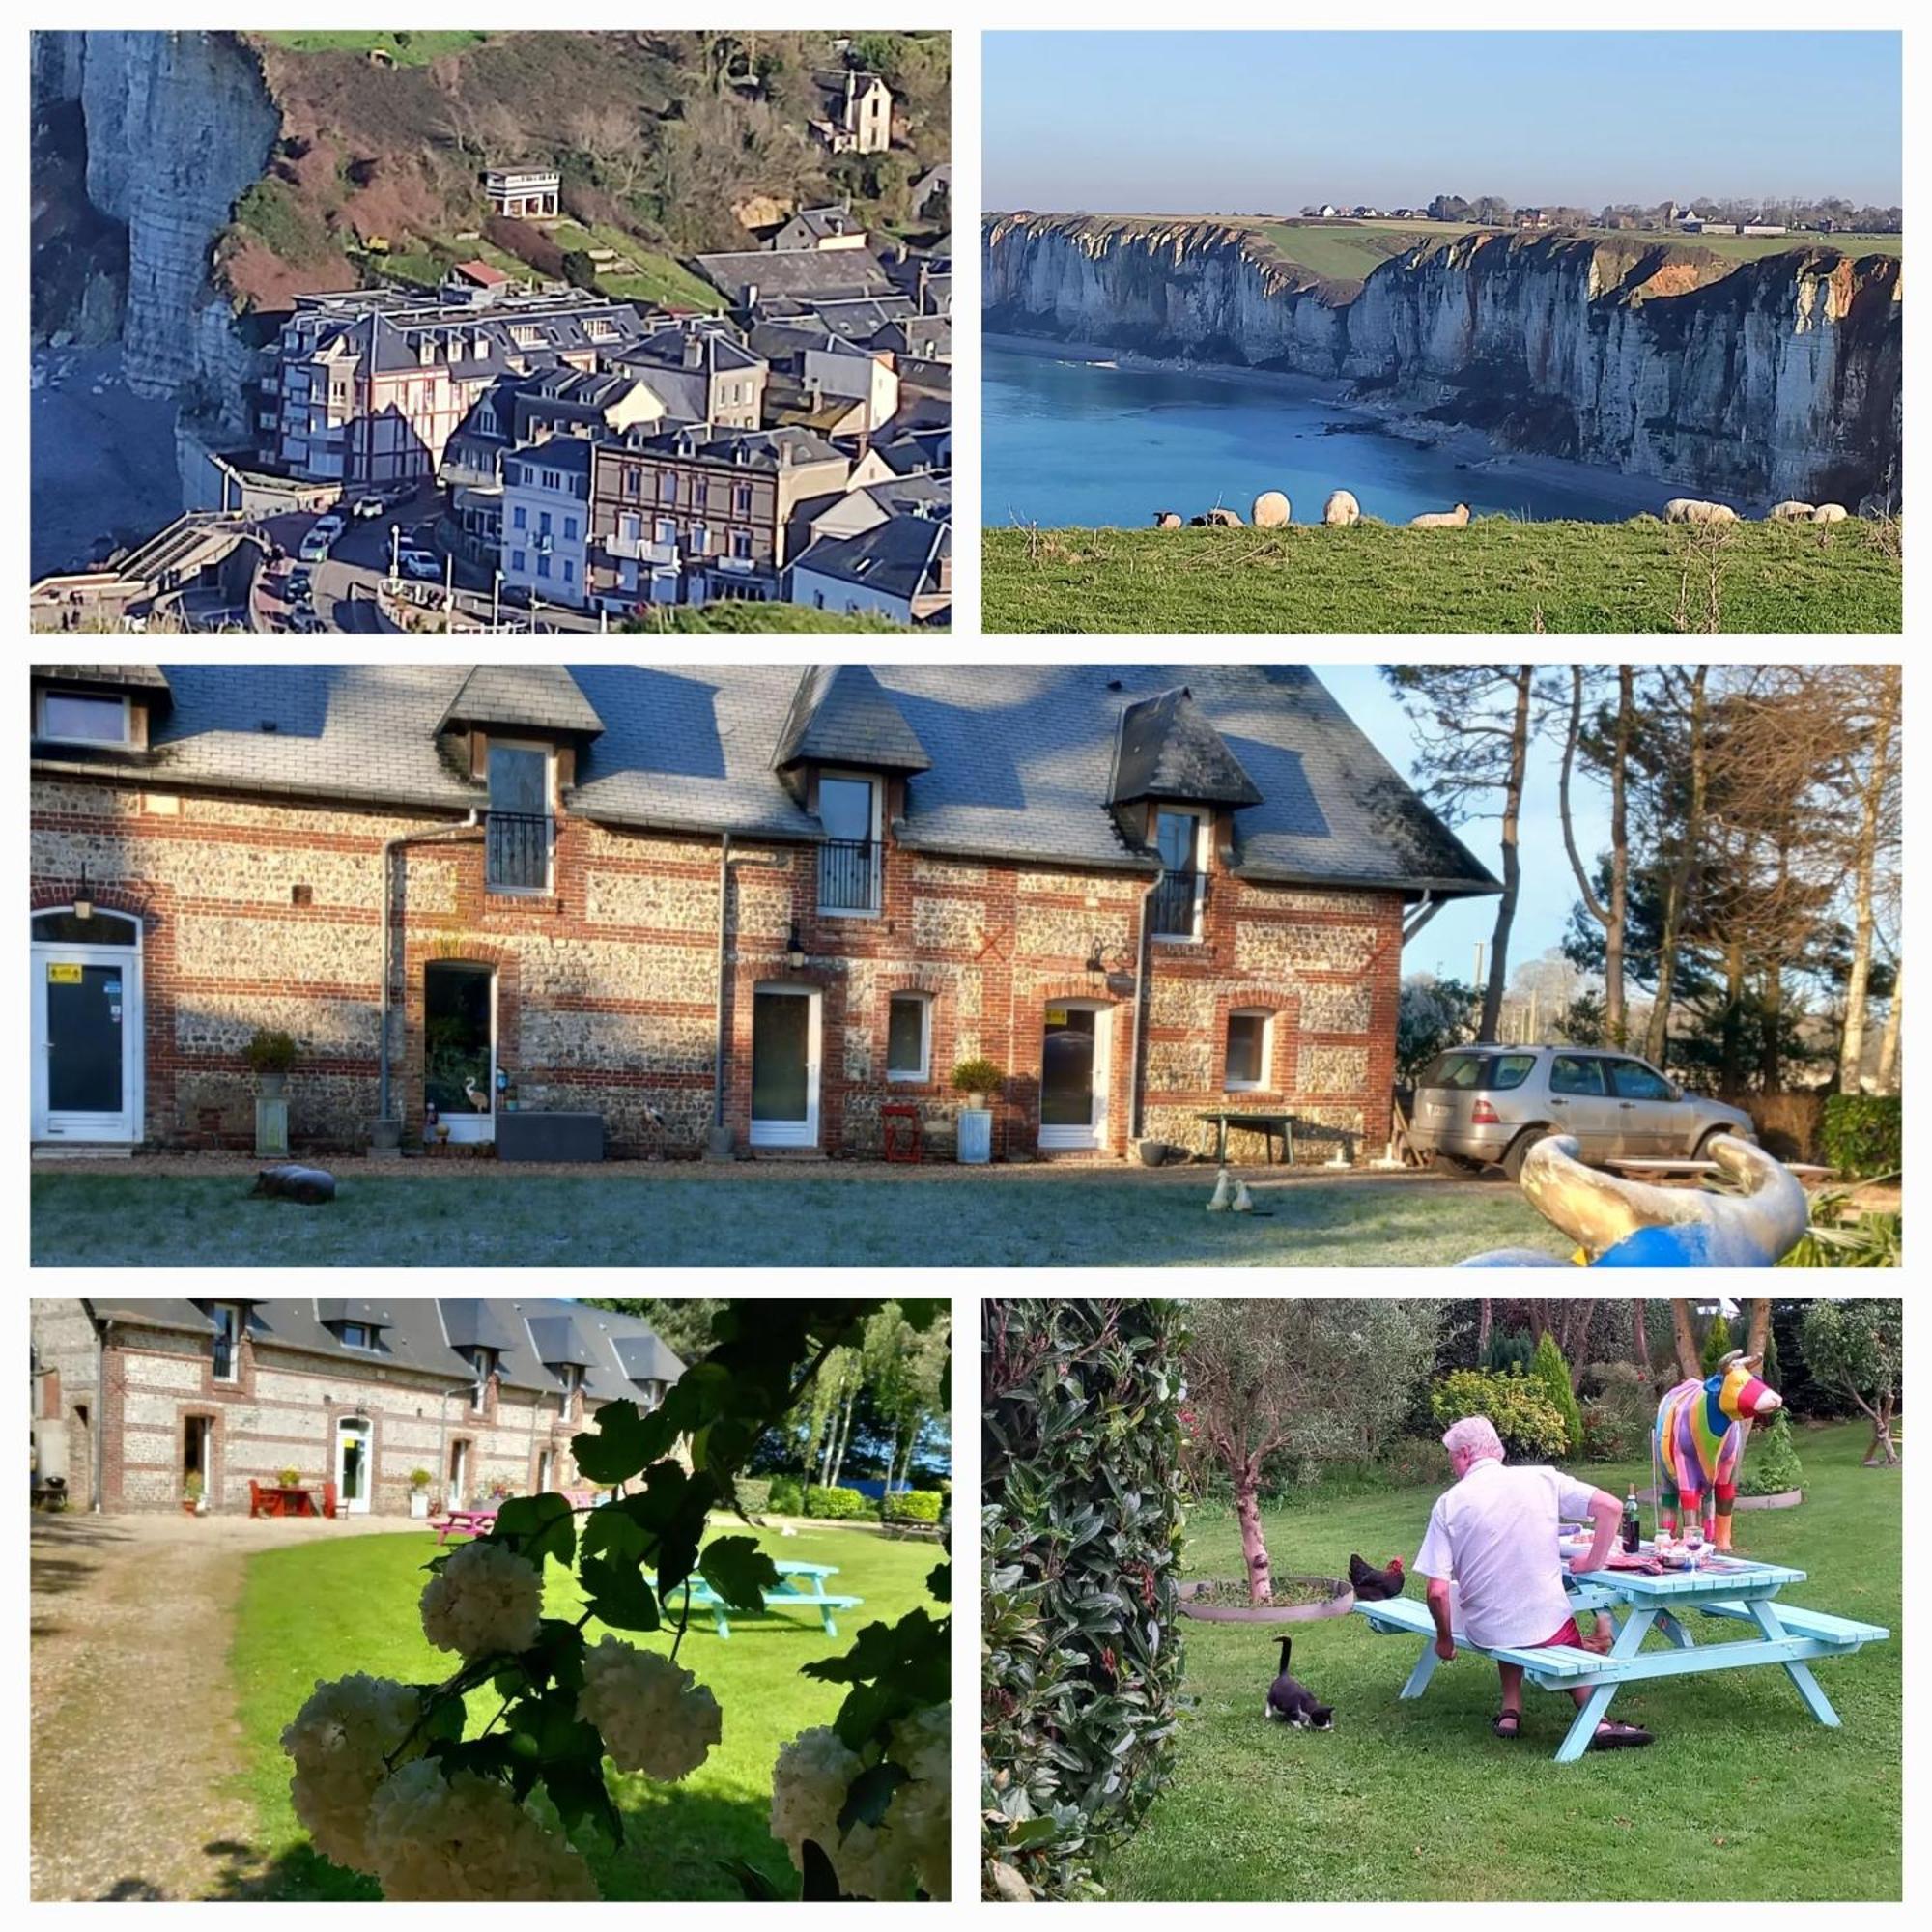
column 1776, row 378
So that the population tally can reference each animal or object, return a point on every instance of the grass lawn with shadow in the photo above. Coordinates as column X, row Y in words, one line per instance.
column 829, row 1218
column 322, row 1610
column 1743, row 1796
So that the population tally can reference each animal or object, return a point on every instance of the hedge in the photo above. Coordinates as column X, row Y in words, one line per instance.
column 1525, row 1418
column 1863, row 1134
column 1082, row 1532
column 835, row 1503
column 1770, row 1464
column 786, row 1495
column 755, row 1494
column 912, row 1506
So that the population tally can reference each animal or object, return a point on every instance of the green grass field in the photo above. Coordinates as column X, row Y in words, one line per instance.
column 1743, row 1796
column 406, row 50
column 323, row 1610
column 660, row 278
column 822, row 1218
column 1496, row 574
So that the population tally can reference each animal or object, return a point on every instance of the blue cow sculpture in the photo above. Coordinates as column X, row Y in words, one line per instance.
column 1755, row 1222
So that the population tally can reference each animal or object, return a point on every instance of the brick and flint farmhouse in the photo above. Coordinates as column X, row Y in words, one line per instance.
column 134, row 1397
column 718, row 908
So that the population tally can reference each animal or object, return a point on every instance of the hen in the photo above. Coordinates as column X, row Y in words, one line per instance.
column 1376, row 1586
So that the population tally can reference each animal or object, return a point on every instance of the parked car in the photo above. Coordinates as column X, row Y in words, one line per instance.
column 1481, row 1105
column 315, row 545
column 420, row 564
column 300, row 587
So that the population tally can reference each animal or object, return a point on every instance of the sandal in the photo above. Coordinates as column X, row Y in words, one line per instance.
column 1620, row 1737
column 1507, row 1724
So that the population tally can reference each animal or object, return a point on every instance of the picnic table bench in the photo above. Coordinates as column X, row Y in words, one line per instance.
column 463, row 1522
column 801, row 1586
column 1724, row 1587
column 1268, row 1125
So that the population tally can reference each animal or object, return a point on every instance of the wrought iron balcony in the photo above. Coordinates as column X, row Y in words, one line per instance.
column 848, row 875
column 516, row 848
column 1175, row 902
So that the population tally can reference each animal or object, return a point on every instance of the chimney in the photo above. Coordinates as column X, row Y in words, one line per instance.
column 694, row 351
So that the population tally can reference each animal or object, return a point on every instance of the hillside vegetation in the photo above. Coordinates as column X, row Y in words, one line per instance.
column 669, row 144
column 1496, row 575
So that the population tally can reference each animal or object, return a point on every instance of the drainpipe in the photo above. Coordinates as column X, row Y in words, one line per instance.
column 720, row 1143
column 99, row 1410
column 1140, row 1009
column 390, row 849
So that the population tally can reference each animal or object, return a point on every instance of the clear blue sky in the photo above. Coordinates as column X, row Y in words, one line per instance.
column 1262, row 122
column 1447, row 945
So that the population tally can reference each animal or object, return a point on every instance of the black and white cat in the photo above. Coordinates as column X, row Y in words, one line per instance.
column 1293, row 1703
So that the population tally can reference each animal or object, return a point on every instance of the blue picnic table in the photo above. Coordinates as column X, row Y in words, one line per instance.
column 801, row 1586
column 1727, row 1587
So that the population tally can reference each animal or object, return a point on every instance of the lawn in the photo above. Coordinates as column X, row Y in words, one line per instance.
column 660, row 277
column 826, row 1217
column 1743, row 1796
column 322, row 1610
column 1496, row 574
column 406, row 50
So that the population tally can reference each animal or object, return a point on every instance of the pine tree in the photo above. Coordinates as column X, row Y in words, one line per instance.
column 1548, row 1368
column 1718, row 1342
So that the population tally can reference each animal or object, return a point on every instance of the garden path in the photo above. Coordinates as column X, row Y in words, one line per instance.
column 135, row 1750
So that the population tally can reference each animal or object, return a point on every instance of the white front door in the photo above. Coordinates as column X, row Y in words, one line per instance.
column 87, row 1035
column 460, row 1048
column 354, row 1477
column 786, row 1058
column 1073, row 1070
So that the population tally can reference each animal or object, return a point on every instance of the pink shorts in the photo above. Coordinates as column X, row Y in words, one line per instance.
column 1568, row 1633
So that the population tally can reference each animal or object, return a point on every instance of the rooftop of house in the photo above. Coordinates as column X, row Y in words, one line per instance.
column 719, row 348
column 738, row 448
column 899, row 557
column 1023, row 756
column 534, row 1336
column 382, row 329
column 569, row 456
column 751, row 276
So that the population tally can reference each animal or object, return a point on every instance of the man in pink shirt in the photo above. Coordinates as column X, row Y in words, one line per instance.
column 1493, row 1536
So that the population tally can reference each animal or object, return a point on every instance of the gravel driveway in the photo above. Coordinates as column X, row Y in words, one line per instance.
column 136, row 1754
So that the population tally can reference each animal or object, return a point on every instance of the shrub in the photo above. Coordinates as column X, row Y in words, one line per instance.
column 1507, row 1349
column 755, row 1494
column 912, row 1506
column 1525, row 1418
column 1863, row 1134
column 1771, row 1463
column 1548, row 1368
column 1618, row 1419
column 1718, row 1342
column 270, row 1052
column 289, row 1478
column 835, row 1503
column 787, row 1496
column 1082, row 1528
column 420, row 1479
column 976, row 1076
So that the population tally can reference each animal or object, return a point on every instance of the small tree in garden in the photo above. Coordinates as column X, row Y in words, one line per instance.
column 1718, row 1342
column 1320, row 1380
column 1549, row 1369
column 1857, row 1347
column 387, row 1781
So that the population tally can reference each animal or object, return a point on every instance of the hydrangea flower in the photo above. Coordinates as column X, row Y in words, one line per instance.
column 921, row 1815
column 466, row 1837
column 808, row 1784
column 339, row 1740
column 652, row 1718
column 484, row 1599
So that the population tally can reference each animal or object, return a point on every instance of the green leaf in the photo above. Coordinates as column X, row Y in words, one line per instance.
column 582, row 1800
column 610, row 1530
column 739, row 1572
column 756, row 1885
column 623, row 1445
column 538, row 1526
column 939, row 1583
column 821, row 1882
column 868, row 1794
column 618, row 1594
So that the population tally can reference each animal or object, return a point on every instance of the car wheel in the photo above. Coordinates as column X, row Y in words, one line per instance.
column 1704, row 1143
column 1519, row 1151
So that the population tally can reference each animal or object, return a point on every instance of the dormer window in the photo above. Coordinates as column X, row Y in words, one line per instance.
column 1181, row 838
column 83, row 717
column 848, row 861
column 228, row 1322
column 651, row 1395
column 484, row 1362
column 356, row 1335
column 521, row 831
column 572, row 1378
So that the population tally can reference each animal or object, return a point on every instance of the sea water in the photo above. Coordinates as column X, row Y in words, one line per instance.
column 1093, row 445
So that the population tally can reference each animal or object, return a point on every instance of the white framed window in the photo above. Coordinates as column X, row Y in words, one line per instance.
column 357, row 1335
column 484, row 1362
column 227, row 1318
column 1250, row 1044
column 909, row 1037
column 848, row 862
column 1181, row 838
column 572, row 1378
column 521, row 830
column 84, row 717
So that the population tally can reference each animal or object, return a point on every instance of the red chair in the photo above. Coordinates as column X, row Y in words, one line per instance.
column 258, row 1503
column 328, row 1500
column 899, row 1128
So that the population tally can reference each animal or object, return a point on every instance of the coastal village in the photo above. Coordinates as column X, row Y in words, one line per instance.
column 511, row 450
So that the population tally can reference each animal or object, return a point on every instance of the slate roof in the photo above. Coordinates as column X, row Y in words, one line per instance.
column 618, row 1352
column 1022, row 757
column 749, row 448
column 842, row 716
column 796, row 272
column 110, row 677
column 899, row 557
column 536, row 696
column 1168, row 749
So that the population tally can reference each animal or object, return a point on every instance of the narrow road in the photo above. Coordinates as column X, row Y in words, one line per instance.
column 136, row 1753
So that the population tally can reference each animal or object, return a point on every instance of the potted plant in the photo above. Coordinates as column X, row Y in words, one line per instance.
column 978, row 1080
column 500, row 1490
column 419, row 1482
column 290, row 1479
column 194, row 1497
column 270, row 1054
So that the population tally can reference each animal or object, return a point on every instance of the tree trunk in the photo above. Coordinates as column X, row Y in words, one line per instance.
column 1640, row 1338
column 1851, row 1044
column 1656, row 1039
column 1887, row 1050
column 1732, row 1077
column 1493, row 993
column 1576, row 1339
column 1485, row 1315
column 1686, row 1335
column 1614, row 1010
column 1759, row 1338
column 845, row 1435
column 1883, row 1453
column 1254, row 1545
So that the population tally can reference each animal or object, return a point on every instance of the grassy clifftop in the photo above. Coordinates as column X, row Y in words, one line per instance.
column 1496, row 574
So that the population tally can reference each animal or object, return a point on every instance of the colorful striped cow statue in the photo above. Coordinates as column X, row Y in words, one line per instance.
column 1699, row 1441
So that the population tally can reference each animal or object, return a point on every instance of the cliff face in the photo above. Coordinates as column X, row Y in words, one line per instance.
column 1776, row 378
column 171, row 127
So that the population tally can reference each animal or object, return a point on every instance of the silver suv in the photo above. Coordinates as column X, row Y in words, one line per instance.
column 1482, row 1104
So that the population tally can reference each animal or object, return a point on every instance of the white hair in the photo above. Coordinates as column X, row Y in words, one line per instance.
column 1475, row 1437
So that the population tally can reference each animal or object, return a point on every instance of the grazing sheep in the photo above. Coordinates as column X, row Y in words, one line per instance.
column 1271, row 510
column 1791, row 513
column 1829, row 513
column 1167, row 520
column 1224, row 520
column 1441, row 520
column 1690, row 510
column 1341, row 508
